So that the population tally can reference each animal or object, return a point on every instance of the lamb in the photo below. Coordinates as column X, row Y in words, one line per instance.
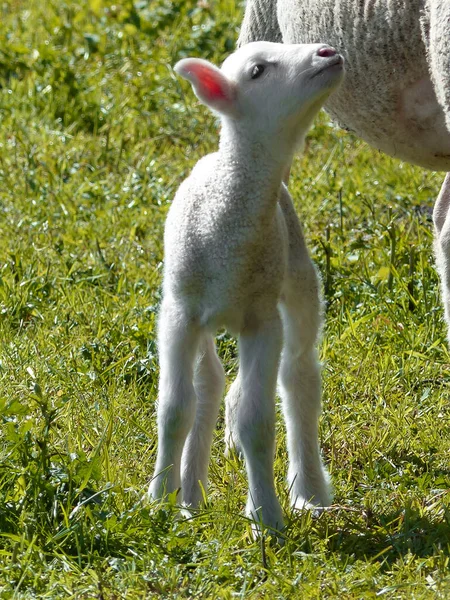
column 396, row 93
column 235, row 256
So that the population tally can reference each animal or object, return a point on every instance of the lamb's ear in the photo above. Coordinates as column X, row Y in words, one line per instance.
column 210, row 85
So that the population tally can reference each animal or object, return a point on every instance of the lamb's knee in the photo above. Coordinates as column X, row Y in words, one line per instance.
column 176, row 409
column 176, row 416
column 295, row 368
column 255, row 430
column 213, row 379
column 209, row 377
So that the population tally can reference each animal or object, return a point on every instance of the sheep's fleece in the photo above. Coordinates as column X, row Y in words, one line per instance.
column 396, row 94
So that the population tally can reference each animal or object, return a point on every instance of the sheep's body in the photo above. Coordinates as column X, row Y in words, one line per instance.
column 397, row 66
column 396, row 93
column 235, row 257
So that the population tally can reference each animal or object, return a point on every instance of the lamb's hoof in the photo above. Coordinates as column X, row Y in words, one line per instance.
column 185, row 512
column 303, row 505
column 157, row 493
column 272, row 526
column 261, row 531
column 233, row 448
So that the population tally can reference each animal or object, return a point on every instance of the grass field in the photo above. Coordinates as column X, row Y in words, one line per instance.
column 96, row 134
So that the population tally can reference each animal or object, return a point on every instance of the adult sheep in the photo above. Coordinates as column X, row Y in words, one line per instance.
column 396, row 95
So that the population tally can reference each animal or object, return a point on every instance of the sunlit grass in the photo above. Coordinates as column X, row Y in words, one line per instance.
column 97, row 133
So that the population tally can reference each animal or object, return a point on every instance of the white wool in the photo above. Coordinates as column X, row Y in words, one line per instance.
column 396, row 93
column 235, row 257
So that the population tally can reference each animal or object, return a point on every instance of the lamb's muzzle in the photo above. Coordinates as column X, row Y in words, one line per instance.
column 327, row 51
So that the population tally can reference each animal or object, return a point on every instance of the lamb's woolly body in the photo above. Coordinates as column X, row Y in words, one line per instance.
column 396, row 94
column 235, row 257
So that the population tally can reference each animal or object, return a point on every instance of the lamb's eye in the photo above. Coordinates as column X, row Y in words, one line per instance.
column 257, row 71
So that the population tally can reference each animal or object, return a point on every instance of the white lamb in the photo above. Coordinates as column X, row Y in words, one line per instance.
column 235, row 257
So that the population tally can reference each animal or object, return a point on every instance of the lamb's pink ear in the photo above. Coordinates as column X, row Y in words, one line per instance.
column 210, row 85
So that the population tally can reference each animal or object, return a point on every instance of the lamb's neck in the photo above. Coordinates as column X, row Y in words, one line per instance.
column 257, row 164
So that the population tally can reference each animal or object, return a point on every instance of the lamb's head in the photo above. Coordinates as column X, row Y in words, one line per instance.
column 276, row 88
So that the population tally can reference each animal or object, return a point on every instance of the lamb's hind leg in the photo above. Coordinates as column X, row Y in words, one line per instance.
column 300, row 389
column 255, row 417
column 299, row 378
column 441, row 218
column 178, row 342
column 209, row 381
column 231, row 406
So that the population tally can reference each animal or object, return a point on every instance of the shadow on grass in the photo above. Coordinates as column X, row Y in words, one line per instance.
column 387, row 536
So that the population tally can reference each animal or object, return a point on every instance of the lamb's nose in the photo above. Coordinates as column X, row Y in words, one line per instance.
column 326, row 51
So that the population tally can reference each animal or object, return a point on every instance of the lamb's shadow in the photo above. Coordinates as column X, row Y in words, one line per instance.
column 388, row 535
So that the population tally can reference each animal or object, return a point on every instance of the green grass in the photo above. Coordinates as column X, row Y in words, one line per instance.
column 97, row 133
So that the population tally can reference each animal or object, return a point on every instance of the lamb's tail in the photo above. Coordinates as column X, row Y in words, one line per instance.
column 260, row 23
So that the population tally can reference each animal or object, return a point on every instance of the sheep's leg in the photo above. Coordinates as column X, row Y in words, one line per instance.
column 255, row 418
column 441, row 218
column 299, row 378
column 209, row 381
column 178, row 342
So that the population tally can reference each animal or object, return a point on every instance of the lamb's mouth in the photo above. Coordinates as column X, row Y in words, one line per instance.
column 335, row 63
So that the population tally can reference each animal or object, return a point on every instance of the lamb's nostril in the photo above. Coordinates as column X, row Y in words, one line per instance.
column 326, row 51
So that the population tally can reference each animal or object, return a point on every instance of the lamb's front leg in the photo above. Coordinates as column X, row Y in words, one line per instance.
column 441, row 218
column 178, row 342
column 255, row 418
column 209, row 381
